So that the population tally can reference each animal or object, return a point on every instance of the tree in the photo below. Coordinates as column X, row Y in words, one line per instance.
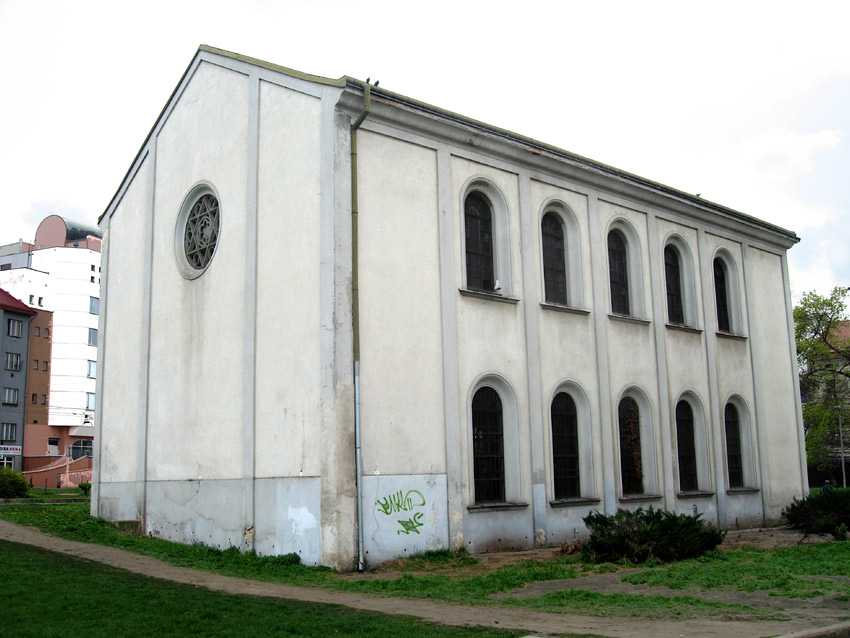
column 823, row 355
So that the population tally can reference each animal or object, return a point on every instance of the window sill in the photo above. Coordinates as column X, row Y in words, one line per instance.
column 640, row 497
column 495, row 507
column 572, row 502
column 729, row 335
column 743, row 490
column 694, row 494
column 677, row 326
column 559, row 308
column 629, row 319
column 490, row 296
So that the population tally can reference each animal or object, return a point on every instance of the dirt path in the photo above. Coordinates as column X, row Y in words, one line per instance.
column 534, row 622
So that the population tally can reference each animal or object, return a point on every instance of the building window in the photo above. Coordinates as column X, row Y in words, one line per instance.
column 721, row 295
column 93, row 337
column 565, row 447
column 6, row 461
column 673, row 278
column 35, row 364
column 89, row 400
column 34, row 399
column 14, row 327
column 92, row 267
column 488, row 446
column 46, row 333
column 41, row 301
column 53, row 446
column 686, row 447
column 618, row 271
column 43, row 399
column 44, row 365
column 92, row 370
column 734, row 455
column 7, row 431
column 554, row 260
column 478, row 220
column 32, row 299
column 13, row 361
column 94, row 305
column 198, row 227
column 92, row 279
column 36, row 331
column 10, row 396
column 79, row 449
column 631, row 466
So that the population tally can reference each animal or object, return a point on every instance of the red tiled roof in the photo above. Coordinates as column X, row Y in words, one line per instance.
column 8, row 302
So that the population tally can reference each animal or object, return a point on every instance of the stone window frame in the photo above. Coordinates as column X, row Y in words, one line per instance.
column 732, row 293
column 572, row 252
column 500, row 231
column 701, row 445
column 649, row 459
column 587, row 482
column 634, row 268
column 687, row 279
column 745, row 436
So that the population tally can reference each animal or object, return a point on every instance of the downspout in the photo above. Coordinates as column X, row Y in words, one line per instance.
column 355, row 319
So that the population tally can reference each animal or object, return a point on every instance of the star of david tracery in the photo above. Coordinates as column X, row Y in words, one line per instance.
column 201, row 233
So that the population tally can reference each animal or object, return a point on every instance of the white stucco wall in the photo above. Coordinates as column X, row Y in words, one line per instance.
column 196, row 349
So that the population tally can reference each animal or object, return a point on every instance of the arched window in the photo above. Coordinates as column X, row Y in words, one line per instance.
column 686, row 447
column 488, row 450
column 618, row 271
column 631, row 466
column 565, row 451
column 554, row 259
column 734, row 454
column 721, row 295
column 478, row 215
column 673, row 279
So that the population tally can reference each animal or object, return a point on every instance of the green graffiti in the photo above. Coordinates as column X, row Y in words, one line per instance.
column 400, row 502
column 411, row 524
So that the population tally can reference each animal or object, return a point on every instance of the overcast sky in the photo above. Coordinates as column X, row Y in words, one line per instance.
column 746, row 103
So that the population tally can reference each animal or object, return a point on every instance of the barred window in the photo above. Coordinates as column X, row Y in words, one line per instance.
column 554, row 260
column 673, row 277
column 488, row 446
column 734, row 457
column 565, row 453
column 721, row 295
column 631, row 465
column 685, row 444
column 478, row 220
column 618, row 271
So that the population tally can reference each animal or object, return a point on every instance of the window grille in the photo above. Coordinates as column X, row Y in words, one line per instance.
column 734, row 458
column 721, row 295
column 686, row 447
column 554, row 263
column 479, row 243
column 618, row 272
column 565, row 457
column 488, row 446
column 673, row 276
column 631, row 466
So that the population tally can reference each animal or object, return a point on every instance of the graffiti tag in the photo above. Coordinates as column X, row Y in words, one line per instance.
column 403, row 502
column 411, row 524
column 400, row 502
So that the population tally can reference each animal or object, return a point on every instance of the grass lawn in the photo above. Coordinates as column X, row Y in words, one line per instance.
column 450, row 577
column 49, row 594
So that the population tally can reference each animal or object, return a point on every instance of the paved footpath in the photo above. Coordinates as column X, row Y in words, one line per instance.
column 534, row 622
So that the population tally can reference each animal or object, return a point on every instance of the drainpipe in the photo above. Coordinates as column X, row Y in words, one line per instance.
column 355, row 320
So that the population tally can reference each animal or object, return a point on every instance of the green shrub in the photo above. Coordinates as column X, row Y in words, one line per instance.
column 85, row 487
column 825, row 513
column 648, row 536
column 12, row 483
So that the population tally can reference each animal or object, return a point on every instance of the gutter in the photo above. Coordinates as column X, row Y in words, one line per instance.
column 355, row 320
